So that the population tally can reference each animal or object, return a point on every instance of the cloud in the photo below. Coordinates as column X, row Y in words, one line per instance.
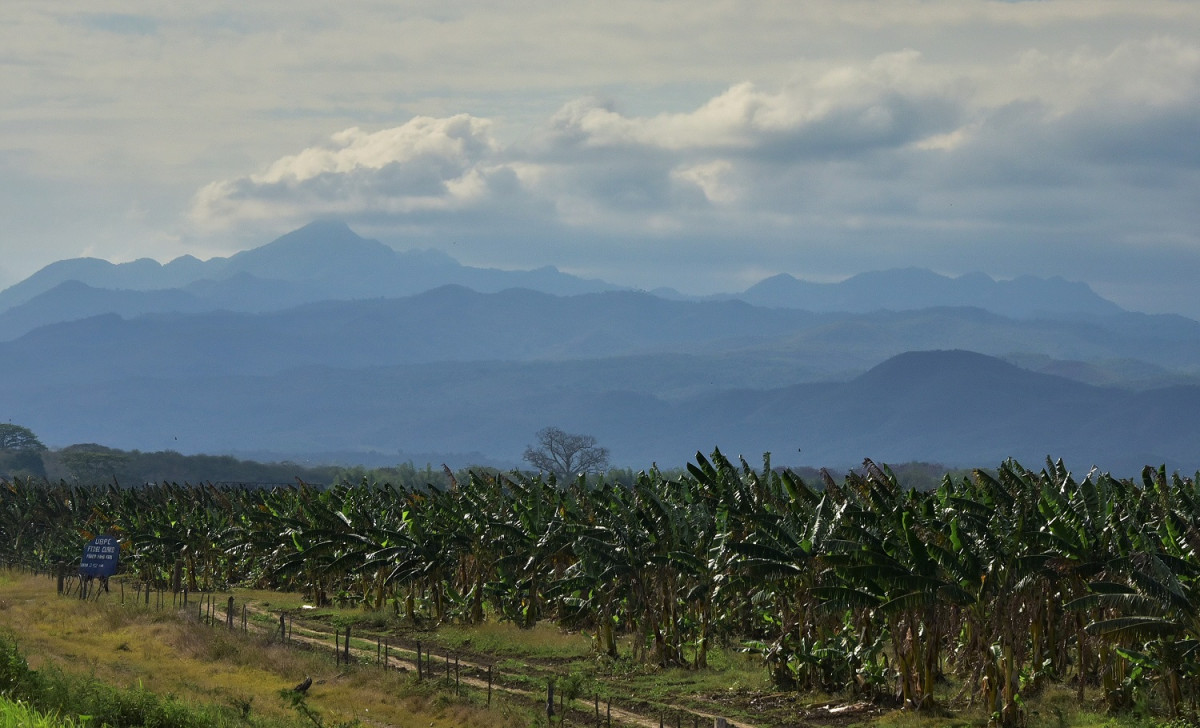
column 1075, row 159
column 890, row 142
column 885, row 102
column 692, row 143
column 424, row 166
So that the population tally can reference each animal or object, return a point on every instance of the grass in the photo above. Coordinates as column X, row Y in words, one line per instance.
column 235, row 679
column 542, row 642
column 144, row 650
column 15, row 714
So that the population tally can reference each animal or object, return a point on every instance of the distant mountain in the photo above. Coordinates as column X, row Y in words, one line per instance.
column 320, row 261
column 73, row 300
column 453, row 323
column 328, row 261
column 953, row 407
column 324, row 342
column 912, row 288
column 964, row 408
column 453, row 370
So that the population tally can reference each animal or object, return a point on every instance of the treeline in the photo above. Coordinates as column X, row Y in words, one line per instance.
column 22, row 455
column 93, row 464
column 1009, row 580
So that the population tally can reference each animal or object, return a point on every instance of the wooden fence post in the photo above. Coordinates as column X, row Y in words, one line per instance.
column 419, row 672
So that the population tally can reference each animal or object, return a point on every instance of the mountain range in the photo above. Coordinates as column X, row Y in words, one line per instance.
column 324, row 342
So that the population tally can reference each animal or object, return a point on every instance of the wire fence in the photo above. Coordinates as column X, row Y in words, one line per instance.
column 461, row 675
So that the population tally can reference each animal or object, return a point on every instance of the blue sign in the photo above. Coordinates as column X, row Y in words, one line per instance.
column 100, row 557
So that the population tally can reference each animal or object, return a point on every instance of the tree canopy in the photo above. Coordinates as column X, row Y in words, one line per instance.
column 16, row 437
column 566, row 454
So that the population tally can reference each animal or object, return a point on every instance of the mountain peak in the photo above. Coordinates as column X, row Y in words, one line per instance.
column 318, row 250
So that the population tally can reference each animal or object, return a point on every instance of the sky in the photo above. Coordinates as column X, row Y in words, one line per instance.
column 701, row 144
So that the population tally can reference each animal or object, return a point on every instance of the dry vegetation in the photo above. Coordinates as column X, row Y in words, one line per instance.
column 168, row 652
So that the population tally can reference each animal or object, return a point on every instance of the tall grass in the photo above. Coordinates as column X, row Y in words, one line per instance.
column 89, row 701
column 222, row 677
column 20, row 715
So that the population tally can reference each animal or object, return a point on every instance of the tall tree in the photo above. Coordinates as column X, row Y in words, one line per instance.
column 16, row 437
column 565, row 454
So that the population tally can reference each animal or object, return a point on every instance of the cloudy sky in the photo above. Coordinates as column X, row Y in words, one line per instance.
column 698, row 144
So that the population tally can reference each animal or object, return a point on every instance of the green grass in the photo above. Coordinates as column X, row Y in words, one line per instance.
column 135, row 658
column 84, row 699
column 20, row 715
column 542, row 642
column 141, row 658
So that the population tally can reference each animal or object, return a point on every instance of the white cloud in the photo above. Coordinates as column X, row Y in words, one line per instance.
column 425, row 165
column 711, row 178
column 816, row 137
column 870, row 103
column 891, row 142
column 456, row 141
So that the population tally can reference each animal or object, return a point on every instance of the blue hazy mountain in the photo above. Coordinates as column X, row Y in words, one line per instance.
column 915, row 288
column 320, row 261
column 949, row 406
column 328, row 261
column 454, row 370
column 454, row 323
column 322, row 341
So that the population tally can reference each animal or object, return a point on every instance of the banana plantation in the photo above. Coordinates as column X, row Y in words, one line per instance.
column 982, row 591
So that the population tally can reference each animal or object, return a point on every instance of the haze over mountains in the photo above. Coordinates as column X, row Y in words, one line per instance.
column 322, row 343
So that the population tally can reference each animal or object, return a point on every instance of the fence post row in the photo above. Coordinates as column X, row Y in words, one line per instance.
column 207, row 610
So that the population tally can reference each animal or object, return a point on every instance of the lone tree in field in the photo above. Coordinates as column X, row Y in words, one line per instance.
column 16, row 437
column 20, row 452
column 565, row 454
